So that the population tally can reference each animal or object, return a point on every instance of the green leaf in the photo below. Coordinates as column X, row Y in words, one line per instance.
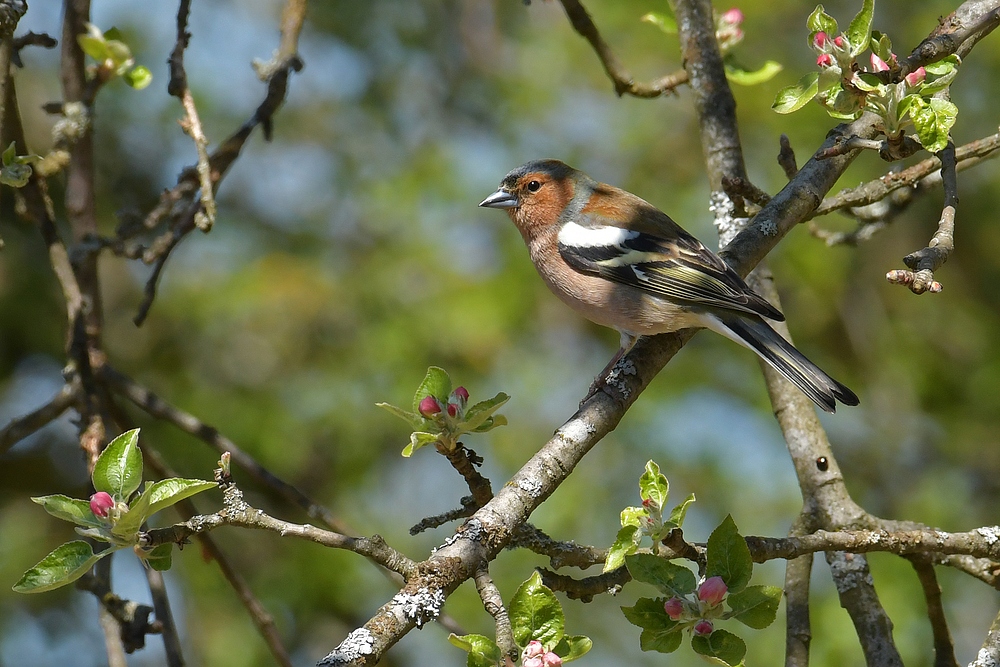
column 69, row 509
column 653, row 485
column 818, row 21
column 138, row 77
column 659, row 633
column 171, row 491
column 794, row 97
column 9, row 153
column 436, row 383
column 483, row 651
column 94, row 47
column 480, row 412
column 160, row 557
column 490, row 424
column 678, row 513
column 665, row 21
column 940, row 75
column 755, row 606
column 728, row 556
column 933, row 121
column 659, row 640
column 859, row 30
column 67, row 563
column 118, row 470
column 723, row 645
column 411, row 418
column 114, row 33
column 744, row 77
column 669, row 578
column 634, row 516
column 648, row 614
column 868, row 82
column 419, row 439
column 573, row 647
column 535, row 613
column 881, row 45
column 625, row 544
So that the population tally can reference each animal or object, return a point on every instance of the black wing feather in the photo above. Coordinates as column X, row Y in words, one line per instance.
column 683, row 271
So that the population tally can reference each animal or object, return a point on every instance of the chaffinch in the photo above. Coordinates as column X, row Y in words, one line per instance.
column 624, row 264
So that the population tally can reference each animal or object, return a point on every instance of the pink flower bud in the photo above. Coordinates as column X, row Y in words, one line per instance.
column 429, row 406
column 100, row 503
column 462, row 393
column 674, row 608
column 820, row 40
column 550, row 659
column 533, row 662
column 916, row 77
column 534, row 649
column 712, row 590
column 733, row 16
column 703, row 628
column 452, row 410
column 879, row 65
column 825, row 60
column 839, row 41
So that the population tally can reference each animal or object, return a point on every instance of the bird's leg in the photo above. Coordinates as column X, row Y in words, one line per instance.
column 628, row 341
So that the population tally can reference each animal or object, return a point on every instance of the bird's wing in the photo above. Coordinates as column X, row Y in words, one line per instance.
column 680, row 268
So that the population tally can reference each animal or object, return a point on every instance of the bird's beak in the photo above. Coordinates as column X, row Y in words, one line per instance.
column 501, row 199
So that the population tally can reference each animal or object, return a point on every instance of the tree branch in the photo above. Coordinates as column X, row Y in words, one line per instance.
column 619, row 75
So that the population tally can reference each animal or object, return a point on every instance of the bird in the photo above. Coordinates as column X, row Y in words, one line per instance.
column 622, row 263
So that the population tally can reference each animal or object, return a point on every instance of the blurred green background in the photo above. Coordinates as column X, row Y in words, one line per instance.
column 349, row 255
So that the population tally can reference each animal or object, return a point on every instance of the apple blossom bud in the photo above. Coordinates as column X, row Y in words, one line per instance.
column 733, row 16
column 533, row 662
column 100, row 503
column 462, row 393
column 879, row 65
column 452, row 410
column 825, row 60
column 820, row 40
column 550, row 659
column 703, row 628
column 429, row 406
column 534, row 649
column 674, row 608
column 916, row 77
column 712, row 590
column 839, row 41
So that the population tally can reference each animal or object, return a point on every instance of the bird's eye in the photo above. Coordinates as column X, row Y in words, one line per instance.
column 533, row 186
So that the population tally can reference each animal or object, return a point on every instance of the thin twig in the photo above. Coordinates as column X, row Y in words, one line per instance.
column 165, row 618
column 468, row 508
column 20, row 428
column 263, row 621
column 493, row 603
column 621, row 78
column 944, row 647
column 236, row 512
column 585, row 589
column 786, row 158
column 156, row 407
column 923, row 263
column 873, row 191
column 560, row 554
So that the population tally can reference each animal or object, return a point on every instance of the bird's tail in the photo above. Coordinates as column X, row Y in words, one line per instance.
column 756, row 334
